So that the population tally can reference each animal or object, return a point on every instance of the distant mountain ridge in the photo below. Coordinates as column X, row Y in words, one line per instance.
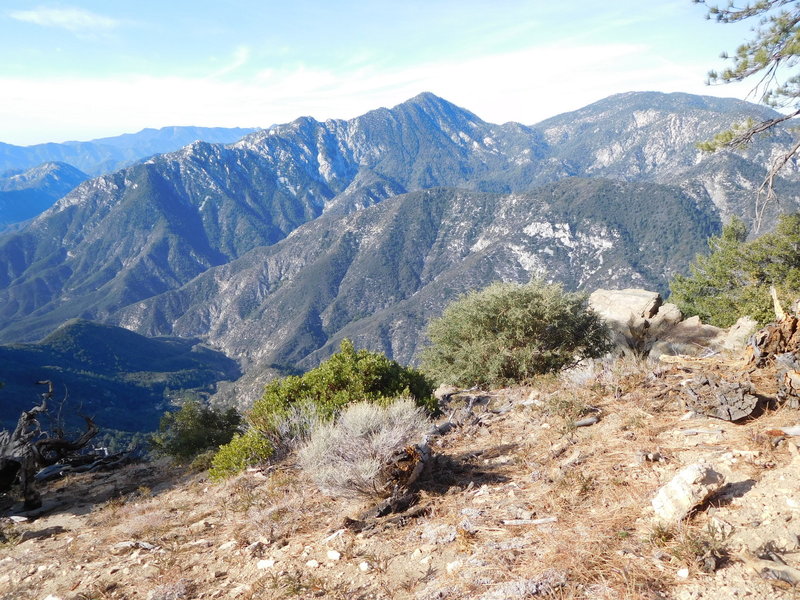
column 26, row 194
column 104, row 155
column 274, row 247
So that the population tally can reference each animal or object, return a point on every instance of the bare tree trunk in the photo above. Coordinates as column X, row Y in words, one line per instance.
column 27, row 449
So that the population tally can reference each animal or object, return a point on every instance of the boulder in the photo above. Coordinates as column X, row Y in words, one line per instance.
column 739, row 333
column 691, row 486
column 620, row 306
column 690, row 337
column 643, row 325
column 628, row 313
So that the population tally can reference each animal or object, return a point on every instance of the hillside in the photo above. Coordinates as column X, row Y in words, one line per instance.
column 518, row 503
column 379, row 275
column 122, row 380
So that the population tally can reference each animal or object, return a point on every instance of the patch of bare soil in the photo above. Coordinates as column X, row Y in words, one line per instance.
column 519, row 501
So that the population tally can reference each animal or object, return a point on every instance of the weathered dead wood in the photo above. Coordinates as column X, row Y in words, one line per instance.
column 780, row 315
column 27, row 449
column 776, row 338
column 726, row 400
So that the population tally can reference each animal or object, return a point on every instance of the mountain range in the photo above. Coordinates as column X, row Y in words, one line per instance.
column 32, row 178
column 104, row 155
column 275, row 247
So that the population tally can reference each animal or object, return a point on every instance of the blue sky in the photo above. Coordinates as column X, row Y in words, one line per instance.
column 87, row 69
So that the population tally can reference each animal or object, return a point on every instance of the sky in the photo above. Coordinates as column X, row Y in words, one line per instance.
column 84, row 69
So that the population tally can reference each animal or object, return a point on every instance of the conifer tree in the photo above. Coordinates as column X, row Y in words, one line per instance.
column 770, row 58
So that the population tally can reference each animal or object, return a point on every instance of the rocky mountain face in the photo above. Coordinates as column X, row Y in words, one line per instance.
column 380, row 274
column 105, row 155
column 652, row 137
column 26, row 194
column 276, row 246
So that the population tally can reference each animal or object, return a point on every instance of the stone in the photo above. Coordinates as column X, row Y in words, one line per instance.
column 668, row 316
column 620, row 305
column 228, row 545
column 364, row 567
column 739, row 333
column 439, row 534
column 312, row 564
column 689, row 337
column 266, row 563
column 627, row 313
column 200, row 525
column 454, row 566
column 691, row 486
column 131, row 545
column 333, row 555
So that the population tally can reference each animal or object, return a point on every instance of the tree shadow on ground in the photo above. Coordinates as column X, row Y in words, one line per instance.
column 463, row 471
column 444, row 474
column 80, row 494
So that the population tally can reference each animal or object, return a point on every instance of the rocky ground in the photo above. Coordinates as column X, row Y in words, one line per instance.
column 518, row 502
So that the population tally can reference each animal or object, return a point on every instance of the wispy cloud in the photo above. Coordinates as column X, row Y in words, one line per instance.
column 240, row 57
column 76, row 20
column 525, row 85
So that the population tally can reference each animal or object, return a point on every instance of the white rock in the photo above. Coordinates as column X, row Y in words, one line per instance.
column 454, row 566
column 364, row 567
column 312, row 564
column 52, row 597
column 687, row 489
column 683, row 573
column 266, row 563
column 19, row 519
column 228, row 545
column 334, row 555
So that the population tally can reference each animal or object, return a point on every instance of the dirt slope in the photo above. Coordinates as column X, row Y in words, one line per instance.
column 518, row 503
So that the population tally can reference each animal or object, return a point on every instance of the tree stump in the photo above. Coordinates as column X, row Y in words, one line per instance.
column 726, row 400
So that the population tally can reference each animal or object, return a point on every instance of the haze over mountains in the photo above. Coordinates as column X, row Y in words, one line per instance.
column 275, row 247
column 104, row 155
column 32, row 178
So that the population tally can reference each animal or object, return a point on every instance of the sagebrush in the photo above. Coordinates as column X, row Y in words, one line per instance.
column 346, row 457
column 508, row 333
column 291, row 406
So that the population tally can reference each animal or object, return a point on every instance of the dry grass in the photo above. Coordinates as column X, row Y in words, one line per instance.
column 515, row 462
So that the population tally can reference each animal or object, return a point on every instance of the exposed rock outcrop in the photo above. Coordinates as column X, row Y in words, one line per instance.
column 643, row 325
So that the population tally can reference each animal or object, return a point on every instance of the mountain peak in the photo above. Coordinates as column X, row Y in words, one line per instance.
column 431, row 102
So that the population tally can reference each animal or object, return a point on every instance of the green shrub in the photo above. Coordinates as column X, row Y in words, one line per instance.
column 195, row 428
column 734, row 279
column 292, row 406
column 346, row 457
column 508, row 333
column 251, row 448
column 347, row 376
